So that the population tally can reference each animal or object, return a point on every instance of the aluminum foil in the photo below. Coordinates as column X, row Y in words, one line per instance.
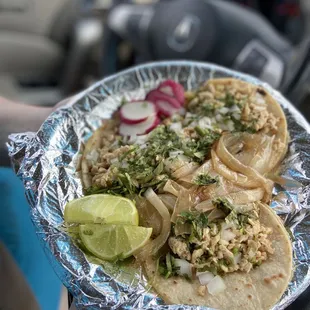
column 47, row 161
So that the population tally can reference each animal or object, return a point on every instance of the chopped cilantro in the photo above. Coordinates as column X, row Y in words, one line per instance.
column 200, row 131
column 239, row 126
column 92, row 190
column 159, row 169
column 206, row 179
column 167, row 266
column 235, row 251
column 208, row 109
column 123, row 101
column 198, row 221
column 230, row 213
column 256, row 264
column 290, row 234
column 224, row 262
column 213, row 269
column 116, row 188
column 198, row 149
column 144, row 167
column 223, row 205
column 126, row 181
column 242, row 219
column 230, row 100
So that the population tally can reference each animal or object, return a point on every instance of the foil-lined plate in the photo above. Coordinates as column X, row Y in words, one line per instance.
column 47, row 163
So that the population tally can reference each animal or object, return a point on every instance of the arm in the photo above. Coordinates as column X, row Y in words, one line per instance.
column 15, row 293
column 17, row 117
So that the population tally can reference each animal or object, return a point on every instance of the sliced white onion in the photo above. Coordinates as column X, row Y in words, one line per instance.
column 227, row 235
column 230, row 125
column 114, row 160
column 155, row 245
column 237, row 258
column 184, row 158
column 205, row 277
column 185, row 170
column 216, row 286
column 216, row 214
column 172, row 187
column 182, row 111
column 205, row 123
column 132, row 139
column 234, row 108
column 185, row 267
column 176, row 162
column 169, row 200
column 237, row 116
column 205, row 206
column 124, row 164
column 141, row 139
column 189, row 115
column 193, row 124
column 213, row 120
column 92, row 156
column 260, row 108
column 175, row 153
column 143, row 146
column 176, row 127
column 260, row 99
column 227, row 225
column 126, row 139
column 219, row 117
column 223, row 110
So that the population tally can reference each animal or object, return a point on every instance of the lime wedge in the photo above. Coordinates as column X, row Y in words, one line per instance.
column 103, row 209
column 111, row 242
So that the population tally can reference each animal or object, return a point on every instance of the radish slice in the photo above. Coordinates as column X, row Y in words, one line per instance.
column 155, row 96
column 137, row 111
column 173, row 89
column 165, row 108
column 139, row 129
column 167, row 90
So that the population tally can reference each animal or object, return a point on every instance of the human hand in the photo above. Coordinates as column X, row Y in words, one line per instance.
column 18, row 117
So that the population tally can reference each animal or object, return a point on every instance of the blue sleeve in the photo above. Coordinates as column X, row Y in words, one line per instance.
column 18, row 235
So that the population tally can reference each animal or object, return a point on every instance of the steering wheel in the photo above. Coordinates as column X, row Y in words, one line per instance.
column 216, row 31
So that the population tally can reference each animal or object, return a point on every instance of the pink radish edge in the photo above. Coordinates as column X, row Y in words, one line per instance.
column 139, row 129
column 155, row 124
column 134, row 112
column 176, row 90
column 165, row 108
column 156, row 95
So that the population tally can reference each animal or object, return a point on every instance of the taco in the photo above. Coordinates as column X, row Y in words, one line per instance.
column 260, row 112
column 258, row 288
column 229, row 109
column 200, row 179
column 99, row 144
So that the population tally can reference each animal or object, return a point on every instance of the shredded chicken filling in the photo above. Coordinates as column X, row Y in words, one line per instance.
column 237, row 242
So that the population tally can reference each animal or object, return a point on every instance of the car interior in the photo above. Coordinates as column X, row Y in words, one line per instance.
column 50, row 50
